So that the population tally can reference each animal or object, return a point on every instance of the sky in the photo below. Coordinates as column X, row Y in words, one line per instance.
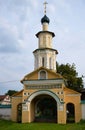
column 20, row 20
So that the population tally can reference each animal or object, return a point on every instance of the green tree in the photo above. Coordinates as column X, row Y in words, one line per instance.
column 71, row 76
column 11, row 92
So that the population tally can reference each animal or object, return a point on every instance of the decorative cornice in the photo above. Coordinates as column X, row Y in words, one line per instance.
column 43, row 49
column 43, row 82
column 57, row 86
column 53, row 35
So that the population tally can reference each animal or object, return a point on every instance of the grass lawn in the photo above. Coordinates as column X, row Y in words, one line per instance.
column 9, row 125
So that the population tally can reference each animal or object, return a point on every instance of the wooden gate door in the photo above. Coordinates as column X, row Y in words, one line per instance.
column 19, row 113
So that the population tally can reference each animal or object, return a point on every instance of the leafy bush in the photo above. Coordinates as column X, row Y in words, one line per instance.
column 82, row 121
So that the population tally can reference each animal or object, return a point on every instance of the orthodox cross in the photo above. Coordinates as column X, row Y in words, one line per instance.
column 45, row 3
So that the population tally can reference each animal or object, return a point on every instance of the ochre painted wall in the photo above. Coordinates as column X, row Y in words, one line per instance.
column 15, row 102
column 76, row 101
column 25, row 116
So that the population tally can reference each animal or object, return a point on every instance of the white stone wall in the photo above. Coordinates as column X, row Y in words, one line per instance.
column 46, row 54
column 5, row 113
column 83, row 111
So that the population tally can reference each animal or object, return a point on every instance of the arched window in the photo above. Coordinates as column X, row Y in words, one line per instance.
column 70, row 109
column 42, row 75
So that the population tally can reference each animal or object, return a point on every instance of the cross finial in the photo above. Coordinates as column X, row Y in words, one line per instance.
column 45, row 3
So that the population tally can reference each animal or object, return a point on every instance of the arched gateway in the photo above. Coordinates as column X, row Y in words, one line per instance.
column 43, row 106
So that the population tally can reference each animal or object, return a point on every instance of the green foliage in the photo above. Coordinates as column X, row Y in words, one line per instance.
column 11, row 92
column 82, row 121
column 70, row 75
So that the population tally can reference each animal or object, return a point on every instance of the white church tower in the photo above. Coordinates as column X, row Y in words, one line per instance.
column 45, row 55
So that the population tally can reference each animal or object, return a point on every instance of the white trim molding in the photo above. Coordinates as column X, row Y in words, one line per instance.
column 44, row 82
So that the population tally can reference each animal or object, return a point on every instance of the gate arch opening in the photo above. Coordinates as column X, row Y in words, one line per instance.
column 45, row 109
column 43, row 106
column 45, row 99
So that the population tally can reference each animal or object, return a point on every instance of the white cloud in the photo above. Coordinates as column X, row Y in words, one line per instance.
column 51, row 9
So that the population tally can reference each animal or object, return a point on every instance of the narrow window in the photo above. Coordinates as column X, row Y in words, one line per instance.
column 43, row 62
column 49, row 41
column 44, row 39
column 50, row 60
